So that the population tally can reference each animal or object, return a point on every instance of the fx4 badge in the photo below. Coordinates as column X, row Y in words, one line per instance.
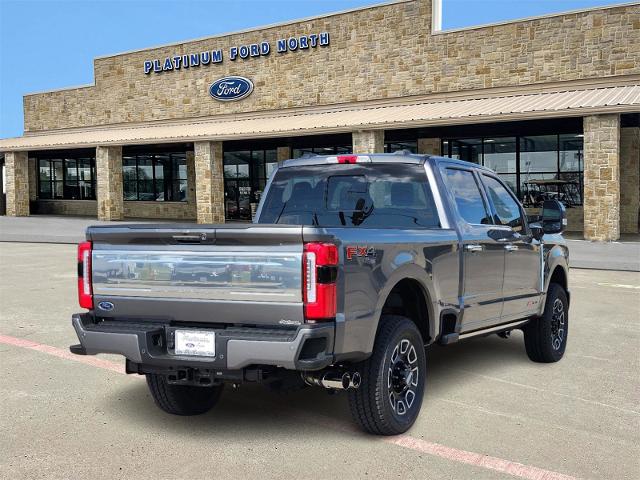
column 358, row 251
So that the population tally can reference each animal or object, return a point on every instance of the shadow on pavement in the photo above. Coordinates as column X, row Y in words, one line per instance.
column 255, row 411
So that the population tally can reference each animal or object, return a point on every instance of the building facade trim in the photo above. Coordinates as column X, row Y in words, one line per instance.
column 505, row 108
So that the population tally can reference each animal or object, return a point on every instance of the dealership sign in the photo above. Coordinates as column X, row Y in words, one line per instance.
column 228, row 89
column 244, row 52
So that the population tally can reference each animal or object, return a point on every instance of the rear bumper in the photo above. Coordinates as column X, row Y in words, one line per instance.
column 309, row 347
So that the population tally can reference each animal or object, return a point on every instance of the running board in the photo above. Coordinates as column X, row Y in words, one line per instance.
column 497, row 328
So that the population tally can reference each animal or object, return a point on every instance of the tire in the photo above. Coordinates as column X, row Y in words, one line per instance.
column 387, row 378
column 182, row 399
column 545, row 338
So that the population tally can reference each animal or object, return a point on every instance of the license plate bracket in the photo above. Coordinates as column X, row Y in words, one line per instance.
column 195, row 343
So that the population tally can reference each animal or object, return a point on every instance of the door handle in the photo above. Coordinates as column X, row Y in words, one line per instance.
column 473, row 248
column 511, row 248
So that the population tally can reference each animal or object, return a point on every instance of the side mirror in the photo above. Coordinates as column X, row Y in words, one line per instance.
column 537, row 231
column 554, row 217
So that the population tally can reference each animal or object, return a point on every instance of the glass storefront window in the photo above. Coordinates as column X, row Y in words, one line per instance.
column 332, row 150
column 500, row 154
column 160, row 177
column 391, row 147
column 534, row 167
column 539, row 154
column 245, row 176
column 66, row 177
column 469, row 149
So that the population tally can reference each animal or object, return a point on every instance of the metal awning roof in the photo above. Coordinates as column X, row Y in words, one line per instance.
column 574, row 102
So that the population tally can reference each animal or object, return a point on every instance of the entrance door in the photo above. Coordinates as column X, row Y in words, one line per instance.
column 245, row 174
column 237, row 199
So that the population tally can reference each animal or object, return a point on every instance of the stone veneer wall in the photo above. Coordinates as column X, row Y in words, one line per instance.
column 430, row 146
column 173, row 210
column 87, row 208
column 380, row 52
column 368, row 141
column 17, row 183
column 629, row 179
column 602, row 177
column 209, row 182
column 283, row 153
column 109, row 189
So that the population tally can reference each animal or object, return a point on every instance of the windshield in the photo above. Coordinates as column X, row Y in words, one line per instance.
column 373, row 196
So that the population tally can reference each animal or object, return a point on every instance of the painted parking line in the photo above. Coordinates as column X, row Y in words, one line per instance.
column 60, row 353
column 618, row 285
column 496, row 464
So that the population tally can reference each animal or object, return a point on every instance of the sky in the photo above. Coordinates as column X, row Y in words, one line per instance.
column 50, row 44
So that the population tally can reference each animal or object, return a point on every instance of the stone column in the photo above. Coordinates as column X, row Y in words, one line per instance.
column 16, row 166
column 602, row 177
column 629, row 179
column 368, row 141
column 33, row 179
column 209, row 182
column 109, row 182
column 429, row 146
column 191, row 183
column 283, row 153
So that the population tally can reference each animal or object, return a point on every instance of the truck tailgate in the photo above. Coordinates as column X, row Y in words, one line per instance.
column 216, row 274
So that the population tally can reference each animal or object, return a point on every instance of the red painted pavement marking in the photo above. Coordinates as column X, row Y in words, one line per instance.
column 58, row 352
column 477, row 459
column 435, row 449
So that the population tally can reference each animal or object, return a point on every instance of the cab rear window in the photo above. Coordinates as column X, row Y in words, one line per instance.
column 373, row 196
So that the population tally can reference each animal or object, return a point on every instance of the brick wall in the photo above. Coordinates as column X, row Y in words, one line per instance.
column 380, row 52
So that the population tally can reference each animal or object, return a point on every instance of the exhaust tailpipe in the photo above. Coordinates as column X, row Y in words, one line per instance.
column 332, row 379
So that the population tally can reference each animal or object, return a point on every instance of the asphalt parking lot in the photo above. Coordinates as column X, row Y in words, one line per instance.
column 488, row 413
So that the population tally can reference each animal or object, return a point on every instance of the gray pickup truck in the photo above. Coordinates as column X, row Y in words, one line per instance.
column 354, row 265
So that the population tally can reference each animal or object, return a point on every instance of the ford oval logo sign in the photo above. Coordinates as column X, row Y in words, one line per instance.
column 106, row 306
column 228, row 89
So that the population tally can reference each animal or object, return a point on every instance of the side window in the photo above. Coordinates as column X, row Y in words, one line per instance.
column 469, row 200
column 507, row 209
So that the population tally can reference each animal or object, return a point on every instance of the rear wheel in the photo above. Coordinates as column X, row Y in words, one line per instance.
column 545, row 338
column 182, row 399
column 393, row 379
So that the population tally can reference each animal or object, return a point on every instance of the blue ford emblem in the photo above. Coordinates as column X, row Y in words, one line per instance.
column 106, row 306
column 228, row 89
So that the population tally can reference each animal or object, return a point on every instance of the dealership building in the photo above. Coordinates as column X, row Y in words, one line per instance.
column 192, row 130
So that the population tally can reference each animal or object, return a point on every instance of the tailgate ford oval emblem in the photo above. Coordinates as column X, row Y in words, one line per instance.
column 106, row 306
column 228, row 89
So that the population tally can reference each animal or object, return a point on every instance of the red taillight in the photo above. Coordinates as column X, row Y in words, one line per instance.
column 347, row 158
column 85, row 294
column 319, row 270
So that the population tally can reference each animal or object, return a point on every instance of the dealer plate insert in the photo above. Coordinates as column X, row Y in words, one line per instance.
column 200, row 343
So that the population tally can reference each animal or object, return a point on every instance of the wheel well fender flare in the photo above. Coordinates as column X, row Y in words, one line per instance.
column 424, row 281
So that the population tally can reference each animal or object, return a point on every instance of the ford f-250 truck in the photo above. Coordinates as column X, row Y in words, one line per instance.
column 354, row 265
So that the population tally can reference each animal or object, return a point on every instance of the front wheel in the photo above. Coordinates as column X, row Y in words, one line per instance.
column 545, row 338
column 393, row 379
column 182, row 399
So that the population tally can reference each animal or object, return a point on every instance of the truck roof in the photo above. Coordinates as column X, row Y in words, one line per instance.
column 403, row 156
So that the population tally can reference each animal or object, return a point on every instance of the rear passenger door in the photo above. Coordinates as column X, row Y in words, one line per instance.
column 522, row 283
column 483, row 255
